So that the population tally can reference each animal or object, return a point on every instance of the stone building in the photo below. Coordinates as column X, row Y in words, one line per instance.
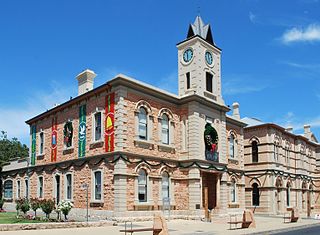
column 138, row 148
column 281, row 169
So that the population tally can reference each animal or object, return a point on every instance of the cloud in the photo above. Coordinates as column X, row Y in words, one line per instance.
column 309, row 34
column 252, row 17
column 241, row 84
column 302, row 66
column 12, row 119
column 169, row 82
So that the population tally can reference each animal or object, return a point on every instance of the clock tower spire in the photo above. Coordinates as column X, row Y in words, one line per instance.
column 199, row 68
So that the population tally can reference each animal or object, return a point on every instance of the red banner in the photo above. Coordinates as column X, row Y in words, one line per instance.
column 54, row 137
column 109, row 123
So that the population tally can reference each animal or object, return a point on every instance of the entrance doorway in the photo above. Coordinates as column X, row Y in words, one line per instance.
column 209, row 190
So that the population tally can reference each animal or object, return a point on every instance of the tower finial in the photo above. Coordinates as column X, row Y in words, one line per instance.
column 198, row 7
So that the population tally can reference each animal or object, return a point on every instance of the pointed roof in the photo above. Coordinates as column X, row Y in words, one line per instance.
column 199, row 28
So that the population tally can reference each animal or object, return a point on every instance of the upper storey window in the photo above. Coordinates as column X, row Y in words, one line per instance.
column 254, row 151
column 41, row 147
column 209, row 78
column 231, row 146
column 68, row 134
column 143, row 124
column 97, row 126
column 165, row 129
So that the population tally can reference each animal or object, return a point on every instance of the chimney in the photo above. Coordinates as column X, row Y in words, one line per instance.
column 85, row 81
column 236, row 113
column 289, row 129
column 307, row 131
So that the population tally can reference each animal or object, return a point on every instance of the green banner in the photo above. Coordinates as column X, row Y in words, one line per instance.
column 33, row 144
column 82, row 131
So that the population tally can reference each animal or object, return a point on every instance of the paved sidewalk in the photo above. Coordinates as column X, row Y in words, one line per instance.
column 181, row 227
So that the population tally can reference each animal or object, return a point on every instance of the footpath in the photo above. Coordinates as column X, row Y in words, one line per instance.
column 264, row 225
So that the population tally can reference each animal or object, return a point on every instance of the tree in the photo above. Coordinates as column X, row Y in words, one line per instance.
column 9, row 150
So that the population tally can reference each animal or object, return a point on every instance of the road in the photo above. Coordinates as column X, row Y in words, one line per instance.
column 313, row 230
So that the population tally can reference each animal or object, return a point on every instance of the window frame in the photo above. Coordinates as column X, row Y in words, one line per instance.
column 93, row 184
column 233, row 191
column 94, row 140
column 255, row 195
column 140, row 123
column 145, row 186
column 10, row 190
column 26, row 187
column 254, row 151
column 167, row 130
column 41, row 149
column 232, row 143
column 168, row 188
column 209, row 82
column 66, row 187
column 40, row 187
column 18, row 189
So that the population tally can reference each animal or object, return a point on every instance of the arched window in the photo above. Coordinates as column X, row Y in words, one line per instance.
column 165, row 129
column 233, row 190
column 165, row 185
column 288, row 194
column 7, row 187
column 255, row 195
column 231, row 146
column 143, row 124
column 142, row 186
column 254, row 151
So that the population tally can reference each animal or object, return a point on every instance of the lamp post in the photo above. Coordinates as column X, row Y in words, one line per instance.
column 86, row 186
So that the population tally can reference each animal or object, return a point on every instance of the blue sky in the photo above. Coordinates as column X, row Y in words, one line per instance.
column 270, row 53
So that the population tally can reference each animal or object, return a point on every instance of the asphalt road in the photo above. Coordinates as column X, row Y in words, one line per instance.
column 313, row 230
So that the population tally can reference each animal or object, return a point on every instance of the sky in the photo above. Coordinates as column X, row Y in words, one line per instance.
column 270, row 53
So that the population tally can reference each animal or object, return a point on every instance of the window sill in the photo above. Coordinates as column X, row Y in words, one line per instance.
column 96, row 203
column 40, row 156
column 234, row 205
column 96, row 144
column 143, row 206
column 166, row 148
column 233, row 160
column 144, row 144
column 68, row 150
column 209, row 95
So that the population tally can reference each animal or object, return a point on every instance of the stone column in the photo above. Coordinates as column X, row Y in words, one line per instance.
column 218, row 182
column 194, row 189
column 223, row 192
column 120, row 186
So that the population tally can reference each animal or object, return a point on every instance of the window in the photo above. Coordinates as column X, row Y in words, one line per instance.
column 209, row 78
column 68, row 187
column 97, row 126
column 26, row 183
column 68, row 134
column 57, row 188
column 143, row 124
column 142, row 186
column 188, row 80
column 165, row 185
column 7, row 189
column 41, row 146
column 233, row 190
column 40, row 187
column 231, row 146
column 97, row 185
column 255, row 195
column 288, row 195
column 165, row 129
column 254, row 151
column 18, row 189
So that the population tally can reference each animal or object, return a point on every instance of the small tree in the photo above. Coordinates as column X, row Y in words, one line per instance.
column 1, row 204
column 23, row 205
column 65, row 207
column 47, row 206
column 35, row 205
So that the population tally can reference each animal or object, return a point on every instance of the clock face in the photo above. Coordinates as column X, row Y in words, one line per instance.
column 187, row 55
column 209, row 58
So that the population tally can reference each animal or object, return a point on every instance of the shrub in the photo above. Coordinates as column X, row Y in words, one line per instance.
column 35, row 205
column 65, row 207
column 47, row 206
column 23, row 205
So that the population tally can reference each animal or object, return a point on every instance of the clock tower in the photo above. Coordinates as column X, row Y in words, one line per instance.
column 199, row 59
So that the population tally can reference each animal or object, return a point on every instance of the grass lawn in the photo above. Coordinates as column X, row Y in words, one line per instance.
column 10, row 218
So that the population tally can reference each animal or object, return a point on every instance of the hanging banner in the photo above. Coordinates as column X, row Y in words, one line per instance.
column 54, row 137
column 82, row 131
column 109, row 123
column 33, row 144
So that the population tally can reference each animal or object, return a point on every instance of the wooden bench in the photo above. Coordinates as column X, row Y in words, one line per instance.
column 247, row 220
column 291, row 217
column 159, row 227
